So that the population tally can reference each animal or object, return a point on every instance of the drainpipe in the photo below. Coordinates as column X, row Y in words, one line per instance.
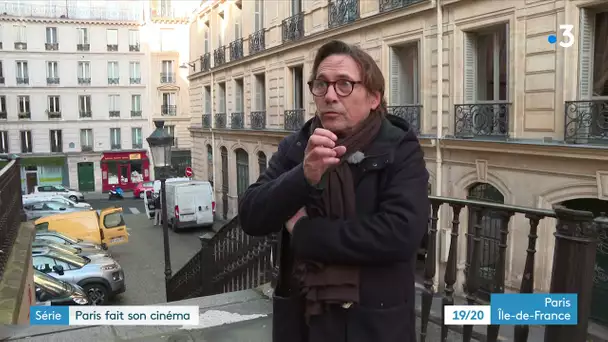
column 212, row 86
column 438, row 152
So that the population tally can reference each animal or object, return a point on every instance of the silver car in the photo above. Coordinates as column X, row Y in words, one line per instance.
column 42, row 208
column 58, row 189
column 61, row 248
column 100, row 277
column 66, row 240
column 57, row 198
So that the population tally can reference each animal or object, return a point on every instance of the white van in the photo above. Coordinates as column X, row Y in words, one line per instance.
column 190, row 204
column 150, row 195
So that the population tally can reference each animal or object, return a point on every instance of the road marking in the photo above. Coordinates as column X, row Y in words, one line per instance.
column 134, row 211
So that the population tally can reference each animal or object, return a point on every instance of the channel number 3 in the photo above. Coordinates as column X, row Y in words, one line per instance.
column 567, row 33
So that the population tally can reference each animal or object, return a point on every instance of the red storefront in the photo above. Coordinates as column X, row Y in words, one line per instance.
column 124, row 170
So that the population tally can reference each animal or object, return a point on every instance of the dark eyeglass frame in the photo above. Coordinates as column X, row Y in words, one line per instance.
column 352, row 88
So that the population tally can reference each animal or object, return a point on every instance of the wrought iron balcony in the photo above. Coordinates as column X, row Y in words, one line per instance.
column 3, row 115
column 83, row 47
column 113, row 80
column 51, row 46
column 484, row 120
column 586, row 122
column 134, row 48
column 25, row 115
column 342, row 12
column 167, row 77
column 206, row 120
column 206, row 62
column 293, row 119
column 112, row 47
column 54, row 114
column 220, row 120
column 257, row 119
column 388, row 5
column 56, row 148
column 237, row 120
column 219, row 56
column 86, row 114
column 20, row 46
column 169, row 110
column 137, row 146
column 410, row 113
column 23, row 80
column 114, row 113
column 136, row 113
column 26, row 149
column 86, row 148
column 1, row 79
column 257, row 41
column 134, row 80
column 115, row 146
column 84, row 80
column 292, row 28
column 52, row 80
column 236, row 49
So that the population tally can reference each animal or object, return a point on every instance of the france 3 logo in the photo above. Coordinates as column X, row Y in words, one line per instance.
column 567, row 35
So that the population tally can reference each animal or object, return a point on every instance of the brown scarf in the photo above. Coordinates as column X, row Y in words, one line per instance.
column 336, row 284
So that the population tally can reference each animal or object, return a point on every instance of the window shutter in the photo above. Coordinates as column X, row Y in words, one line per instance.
column 206, row 40
column 238, row 97
column 470, row 67
column 585, row 66
column 258, row 94
column 395, row 79
column 257, row 15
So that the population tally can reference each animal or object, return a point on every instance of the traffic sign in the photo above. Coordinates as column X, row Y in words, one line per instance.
column 188, row 172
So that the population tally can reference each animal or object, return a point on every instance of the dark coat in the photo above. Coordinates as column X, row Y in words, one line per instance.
column 393, row 206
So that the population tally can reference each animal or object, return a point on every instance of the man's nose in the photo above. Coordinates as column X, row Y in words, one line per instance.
column 331, row 95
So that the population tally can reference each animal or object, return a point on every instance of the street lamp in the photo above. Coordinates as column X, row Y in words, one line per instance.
column 160, row 147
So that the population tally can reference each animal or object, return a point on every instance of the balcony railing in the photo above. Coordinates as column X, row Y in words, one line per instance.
column 52, row 80
column 112, row 47
column 114, row 113
column 220, row 120
column 167, row 77
column 3, row 115
column 24, row 115
column 168, row 109
column 51, row 46
column 246, row 262
column 57, row 148
column 586, row 122
column 115, row 146
column 206, row 120
column 257, row 119
column 236, row 49
column 410, row 113
column 86, row 114
column 23, row 80
column 137, row 146
column 113, row 80
column 206, row 62
column 11, row 210
column 219, row 56
column 54, row 114
column 342, row 12
column 257, row 41
column 86, row 148
column 293, row 119
column 84, row 80
column 134, row 80
column 20, row 46
column 136, row 113
column 388, row 5
column 83, row 47
column 484, row 120
column 292, row 28
column 134, row 48
column 64, row 10
column 237, row 120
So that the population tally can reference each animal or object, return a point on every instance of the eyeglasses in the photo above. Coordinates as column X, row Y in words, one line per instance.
column 342, row 87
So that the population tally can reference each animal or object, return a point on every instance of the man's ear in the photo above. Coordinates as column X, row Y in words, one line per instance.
column 375, row 99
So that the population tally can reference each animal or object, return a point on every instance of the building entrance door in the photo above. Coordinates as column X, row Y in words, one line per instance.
column 124, row 170
column 86, row 176
column 31, row 180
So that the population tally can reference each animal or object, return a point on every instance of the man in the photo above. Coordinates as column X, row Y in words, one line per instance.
column 157, row 207
column 350, row 191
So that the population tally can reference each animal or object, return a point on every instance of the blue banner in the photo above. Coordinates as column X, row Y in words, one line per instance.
column 534, row 309
column 49, row 315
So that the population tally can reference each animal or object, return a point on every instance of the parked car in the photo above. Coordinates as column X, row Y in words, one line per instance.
column 53, row 291
column 66, row 240
column 140, row 189
column 57, row 198
column 72, row 194
column 43, row 208
column 42, row 244
column 100, row 277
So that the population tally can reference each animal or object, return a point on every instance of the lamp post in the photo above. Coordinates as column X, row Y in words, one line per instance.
column 160, row 147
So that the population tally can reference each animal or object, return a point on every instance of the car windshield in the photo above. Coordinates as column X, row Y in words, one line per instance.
column 77, row 260
column 149, row 184
column 49, row 284
column 59, row 187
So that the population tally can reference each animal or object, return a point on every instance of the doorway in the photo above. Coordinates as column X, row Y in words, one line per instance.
column 124, row 172
column 31, row 180
column 86, row 176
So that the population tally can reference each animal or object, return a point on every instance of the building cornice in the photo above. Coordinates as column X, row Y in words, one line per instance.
column 70, row 21
column 240, row 132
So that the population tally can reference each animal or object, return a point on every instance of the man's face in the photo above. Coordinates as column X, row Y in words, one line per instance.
column 338, row 111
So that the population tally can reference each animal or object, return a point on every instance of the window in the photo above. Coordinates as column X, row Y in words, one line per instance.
column 26, row 141
column 84, row 71
column 206, row 40
column 262, row 162
column 86, row 139
column 593, row 74
column 238, row 96
column 297, row 77
column 168, row 107
column 84, row 105
column 170, row 129
column 208, row 100
column 222, row 97
column 113, row 73
column 52, row 73
column 136, row 137
column 20, row 34
column 115, row 138
column 114, row 105
column 404, row 75
column 83, row 39
column 56, row 140
column 51, row 35
column 22, row 73
column 135, row 105
column 296, row 7
column 167, row 75
column 238, row 33
column 4, row 142
column 258, row 15
column 1, row 67
column 135, row 73
column 112, row 39
column 54, row 104
column 210, row 164
column 23, row 104
column 133, row 40
column 2, row 106
column 167, row 40
column 260, row 92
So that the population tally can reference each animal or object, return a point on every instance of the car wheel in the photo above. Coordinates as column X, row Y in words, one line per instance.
column 98, row 293
column 74, row 198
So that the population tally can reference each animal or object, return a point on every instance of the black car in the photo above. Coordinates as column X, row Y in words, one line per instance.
column 52, row 291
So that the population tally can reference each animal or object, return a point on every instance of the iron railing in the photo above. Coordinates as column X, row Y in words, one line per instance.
column 257, row 119
column 11, row 210
column 293, row 119
column 65, row 10
column 168, row 110
column 134, row 80
column 134, row 47
column 167, row 77
column 219, row 56
column 51, row 46
column 236, row 49
column 487, row 120
column 342, row 12
column 257, row 41
column 388, row 5
column 232, row 261
column 23, row 80
column 292, row 28
column 206, row 120
column 84, row 80
column 410, row 113
column 220, row 120
column 237, row 120
column 52, row 80
column 112, row 47
column 586, row 122
column 135, row 113
column 83, row 47
column 206, row 62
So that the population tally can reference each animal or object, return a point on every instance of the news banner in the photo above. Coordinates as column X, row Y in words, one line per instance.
column 504, row 309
